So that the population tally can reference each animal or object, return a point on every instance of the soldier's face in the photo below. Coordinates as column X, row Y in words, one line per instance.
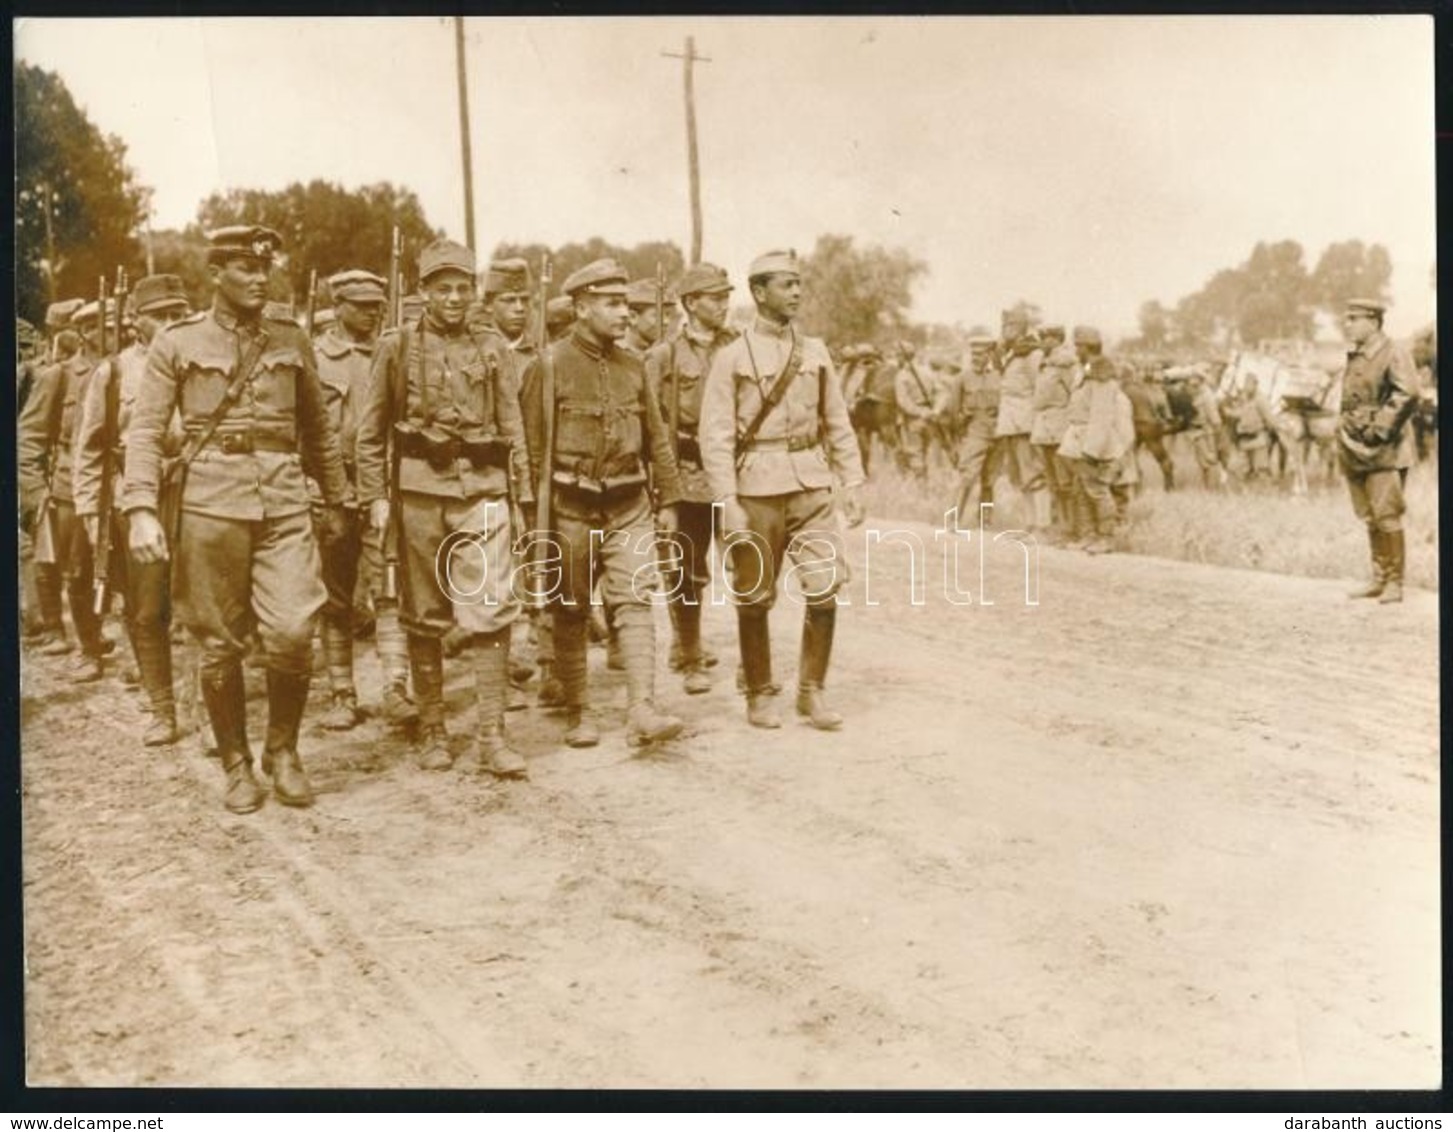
column 778, row 296
column 242, row 282
column 711, row 310
column 606, row 316
column 643, row 322
column 1358, row 327
column 511, row 311
column 149, row 323
column 360, row 320
column 447, row 296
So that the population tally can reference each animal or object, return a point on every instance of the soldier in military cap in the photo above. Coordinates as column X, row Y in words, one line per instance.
column 559, row 317
column 647, row 304
column 1058, row 377
column 1379, row 395
column 442, row 395
column 676, row 370
column 922, row 404
column 609, row 463
column 157, row 302
column 507, row 299
column 978, row 455
column 1099, row 438
column 1021, row 355
column 245, row 558
column 45, row 460
column 774, row 431
column 345, row 362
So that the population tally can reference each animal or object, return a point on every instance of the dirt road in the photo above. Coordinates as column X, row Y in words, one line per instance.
column 1173, row 826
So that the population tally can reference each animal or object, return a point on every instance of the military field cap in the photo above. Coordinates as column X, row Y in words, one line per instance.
column 559, row 311
column 1013, row 318
column 157, row 292
column 445, row 255
column 87, row 313
column 323, row 319
column 944, row 359
column 411, row 307
column 1370, row 307
column 250, row 240
column 602, row 277
column 982, row 340
column 775, row 263
column 704, row 279
column 852, row 353
column 868, row 350
column 58, row 315
column 642, row 293
column 1087, row 335
column 357, row 286
column 1052, row 330
column 506, row 275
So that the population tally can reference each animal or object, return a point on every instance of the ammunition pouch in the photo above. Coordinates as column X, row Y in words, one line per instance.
column 581, row 488
column 688, row 449
column 441, row 449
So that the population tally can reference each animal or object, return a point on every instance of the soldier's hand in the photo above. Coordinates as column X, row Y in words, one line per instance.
column 667, row 520
column 93, row 529
column 853, row 509
column 733, row 516
column 335, row 523
column 148, row 540
column 378, row 514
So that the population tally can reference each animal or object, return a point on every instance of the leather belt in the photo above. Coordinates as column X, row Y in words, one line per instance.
column 790, row 443
column 244, row 443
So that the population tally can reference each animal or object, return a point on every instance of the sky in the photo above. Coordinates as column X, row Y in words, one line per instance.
column 1086, row 164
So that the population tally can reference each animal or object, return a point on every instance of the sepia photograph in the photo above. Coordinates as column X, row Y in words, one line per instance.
column 775, row 552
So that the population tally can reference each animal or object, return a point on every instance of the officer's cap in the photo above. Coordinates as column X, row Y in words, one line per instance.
column 507, row 275
column 58, row 315
column 445, row 255
column 1087, row 336
column 1371, row 308
column 704, row 279
column 775, row 263
column 559, row 312
column 86, row 314
column 250, row 241
column 357, row 286
column 642, row 293
column 601, row 277
column 157, row 293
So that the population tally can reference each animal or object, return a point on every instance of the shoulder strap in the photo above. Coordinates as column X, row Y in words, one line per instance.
column 918, row 381
column 774, row 396
column 196, row 441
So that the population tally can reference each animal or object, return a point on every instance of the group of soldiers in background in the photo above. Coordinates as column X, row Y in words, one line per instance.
column 448, row 467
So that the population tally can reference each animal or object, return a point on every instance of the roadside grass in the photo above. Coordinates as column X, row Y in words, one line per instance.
column 1251, row 527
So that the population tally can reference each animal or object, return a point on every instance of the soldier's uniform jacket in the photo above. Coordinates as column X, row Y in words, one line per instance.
column 1016, row 393
column 457, row 386
column 1109, row 416
column 801, row 444
column 979, row 391
column 58, row 389
column 253, row 466
column 1058, row 378
column 608, row 426
column 676, row 374
column 344, row 368
column 919, row 391
column 1379, row 393
column 90, row 454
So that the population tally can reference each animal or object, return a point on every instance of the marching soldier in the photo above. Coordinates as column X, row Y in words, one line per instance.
column 345, row 361
column 1379, row 394
column 442, row 393
column 774, row 429
column 45, row 453
column 676, row 370
column 158, row 302
column 1022, row 358
column 1057, row 379
column 598, row 442
column 242, row 545
column 978, row 455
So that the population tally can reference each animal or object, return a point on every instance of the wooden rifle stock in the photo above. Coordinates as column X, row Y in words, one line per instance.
column 106, row 500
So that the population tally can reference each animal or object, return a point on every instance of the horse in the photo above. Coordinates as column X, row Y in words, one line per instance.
column 1305, row 401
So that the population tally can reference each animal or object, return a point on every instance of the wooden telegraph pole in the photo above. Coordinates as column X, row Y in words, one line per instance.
column 689, row 56
column 464, row 131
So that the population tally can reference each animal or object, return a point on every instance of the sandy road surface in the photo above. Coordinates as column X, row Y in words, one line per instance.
column 1174, row 826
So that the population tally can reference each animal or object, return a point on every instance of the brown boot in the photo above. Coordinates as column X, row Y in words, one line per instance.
column 225, row 699
column 817, row 634
column 756, row 645
column 1394, row 559
column 1377, row 543
column 637, row 636
column 570, row 634
column 491, row 668
column 426, row 660
column 153, row 648
column 287, row 696
column 686, row 621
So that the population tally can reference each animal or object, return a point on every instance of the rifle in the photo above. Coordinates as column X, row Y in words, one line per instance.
column 110, row 424
column 310, row 309
column 547, row 447
column 395, row 280
column 389, row 536
column 660, row 302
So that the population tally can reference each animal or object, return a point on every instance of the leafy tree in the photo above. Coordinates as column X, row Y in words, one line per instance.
column 857, row 295
column 1154, row 324
column 326, row 228
column 1349, row 270
column 183, row 254
column 74, row 193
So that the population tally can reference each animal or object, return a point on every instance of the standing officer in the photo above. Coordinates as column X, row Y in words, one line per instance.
column 157, row 302
column 774, row 429
column 1058, row 377
column 443, row 393
column 1379, row 394
column 599, row 440
column 1022, row 358
column 978, row 456
column 345, row 361
column 245, row 558
column 676, row 370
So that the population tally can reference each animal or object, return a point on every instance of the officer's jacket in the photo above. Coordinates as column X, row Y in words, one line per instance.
column 807, row 437
column 608, row 425
column 253, row 466
column 90, row 445
column 1058, row 378
column 54, row 404
column 1379, row 393
column 1016, row 393
column 455, row 384
column 919, row 392
column 979, row 391
column 676, row 374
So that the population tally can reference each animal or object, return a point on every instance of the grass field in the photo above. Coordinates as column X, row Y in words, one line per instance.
column 1250, row 527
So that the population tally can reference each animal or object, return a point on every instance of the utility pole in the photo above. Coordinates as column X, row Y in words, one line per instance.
column 689, row 56
column 51, row 266
column 150, row 255
column 464, row 131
